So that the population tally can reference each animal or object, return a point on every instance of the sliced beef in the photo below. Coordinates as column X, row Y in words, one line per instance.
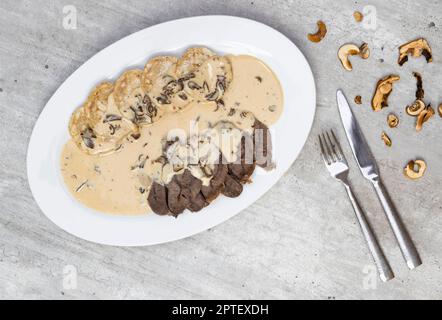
column 157, row 199
column 184, row 192
column 197, row 203
column 176, row 201
column 190, row 186
column 210, row 193
column 263, row 145
column 216, row 185
column 191, row 190
column 187, row 192
column 219, row 175
column 232, row 187
column 242, row 170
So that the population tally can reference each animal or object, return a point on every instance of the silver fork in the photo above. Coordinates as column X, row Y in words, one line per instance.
column 337, row 166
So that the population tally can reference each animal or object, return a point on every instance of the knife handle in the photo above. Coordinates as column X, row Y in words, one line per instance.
column 403, row 238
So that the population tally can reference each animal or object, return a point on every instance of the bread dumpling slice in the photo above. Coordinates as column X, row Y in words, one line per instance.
column 160, row 81
column 97, row 127
column 192, row 59
column 132, row 100
column 209, row 74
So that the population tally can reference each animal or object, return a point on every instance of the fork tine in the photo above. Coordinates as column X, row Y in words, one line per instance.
column 327, row 147
column 323, row 154
column 332, row 147
column 341, row 154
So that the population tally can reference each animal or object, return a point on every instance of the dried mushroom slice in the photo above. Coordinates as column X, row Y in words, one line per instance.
column 364, row 51
column 344, row 52
column 410, row 171
column 358, row 16
column 416, row 48
column 439, row 109
column 416, row 108
column 383, row 90
column 392, row 120
column 418, row 105
column 351, row 49
column 132, row 101
column 320, row 34
column 98, row 127
column 386, row 139
column 419, row 86
column 424, row 116
column 210, row 80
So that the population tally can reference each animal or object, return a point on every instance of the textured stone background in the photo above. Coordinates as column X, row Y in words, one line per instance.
column 301, row 239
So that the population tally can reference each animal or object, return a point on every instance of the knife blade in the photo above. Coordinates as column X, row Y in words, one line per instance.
column 358, row 144
column 369, row 169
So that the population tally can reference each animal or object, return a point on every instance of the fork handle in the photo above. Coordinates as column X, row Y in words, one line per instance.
column 384, row 269
column 403, row 238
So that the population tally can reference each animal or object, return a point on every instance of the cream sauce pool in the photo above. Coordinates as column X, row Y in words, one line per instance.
column 118, row 183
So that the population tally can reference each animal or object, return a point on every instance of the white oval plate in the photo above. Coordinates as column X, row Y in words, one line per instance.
column 223, row 34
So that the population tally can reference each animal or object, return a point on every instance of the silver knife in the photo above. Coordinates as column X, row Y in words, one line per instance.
column 368, row 167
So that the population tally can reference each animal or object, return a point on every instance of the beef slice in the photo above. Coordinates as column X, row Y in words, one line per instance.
column 157, row 199
column 263, row 145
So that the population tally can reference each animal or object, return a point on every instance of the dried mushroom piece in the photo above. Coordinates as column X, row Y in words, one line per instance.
column 392, row 120
column 320, row 34
column 351, row 49
column 411, row 172
column 383, row 90
column 210, row 80
column 386, row 139
column 416, row 108
column 440, row 109
column 424, row 116
column 419, row 86
column 364, row 51
column 220, row 88
column 344, row 52
column 358, row 99
column 358, row 16
column 416, row 48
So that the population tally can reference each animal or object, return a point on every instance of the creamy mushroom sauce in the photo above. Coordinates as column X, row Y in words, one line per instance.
column 118, row 183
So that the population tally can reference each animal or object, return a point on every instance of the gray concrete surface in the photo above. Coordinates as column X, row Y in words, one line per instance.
column 301, row 239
